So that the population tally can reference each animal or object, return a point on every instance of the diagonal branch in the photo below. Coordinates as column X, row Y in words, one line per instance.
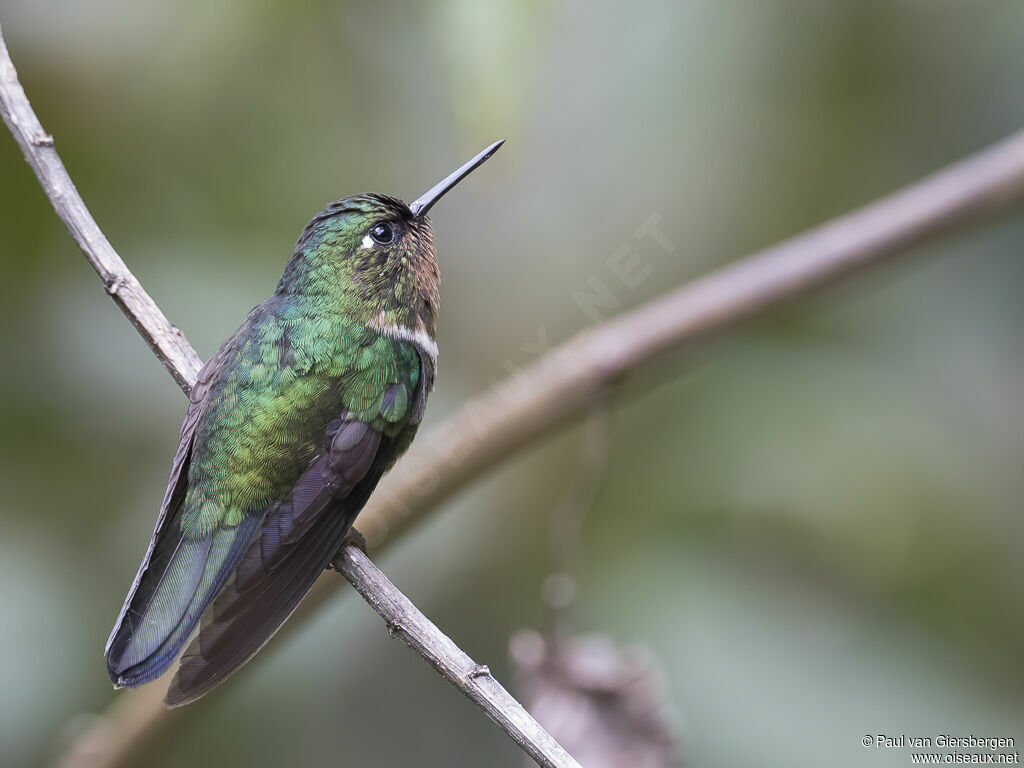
column 563, row 384
column 405, row 621
column 178, row 356
column 167, row 342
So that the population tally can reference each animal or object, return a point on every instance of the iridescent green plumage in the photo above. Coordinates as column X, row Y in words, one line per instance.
column 289, row 428
column 310, row 351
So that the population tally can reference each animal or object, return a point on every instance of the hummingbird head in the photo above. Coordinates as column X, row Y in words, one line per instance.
column 373, row 257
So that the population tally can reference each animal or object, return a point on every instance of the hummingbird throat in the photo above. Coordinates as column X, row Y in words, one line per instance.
column 403, row 332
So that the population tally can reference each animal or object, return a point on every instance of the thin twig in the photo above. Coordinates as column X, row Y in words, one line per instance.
column 563, row 384
column 178, row 356
column 167, row 342
column 406, row 621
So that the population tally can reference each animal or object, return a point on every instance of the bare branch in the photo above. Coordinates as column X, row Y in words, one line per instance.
column 405, row 621
column 181, row 360
column 565, row 383
column 167, row 342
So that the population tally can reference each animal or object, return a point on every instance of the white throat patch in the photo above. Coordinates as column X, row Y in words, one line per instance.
column 419, row 337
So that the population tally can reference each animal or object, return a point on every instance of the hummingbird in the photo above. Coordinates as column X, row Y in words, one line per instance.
column 289, row 428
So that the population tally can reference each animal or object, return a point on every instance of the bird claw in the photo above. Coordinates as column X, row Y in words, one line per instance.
column 352, row 539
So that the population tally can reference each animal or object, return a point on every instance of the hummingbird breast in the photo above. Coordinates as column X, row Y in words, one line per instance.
column 287, row 377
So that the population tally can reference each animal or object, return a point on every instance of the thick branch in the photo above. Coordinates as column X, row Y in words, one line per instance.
column 167, row 342
column 405, row 621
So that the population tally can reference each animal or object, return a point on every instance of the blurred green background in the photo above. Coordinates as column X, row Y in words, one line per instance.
column 815, row 521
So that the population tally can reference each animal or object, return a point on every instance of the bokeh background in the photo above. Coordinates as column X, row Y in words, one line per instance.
column 814, row 521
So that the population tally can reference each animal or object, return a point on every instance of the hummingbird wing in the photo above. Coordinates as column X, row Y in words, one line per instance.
column 299, row 537
column 174, row 567
column 291, row 535
column 302, row 532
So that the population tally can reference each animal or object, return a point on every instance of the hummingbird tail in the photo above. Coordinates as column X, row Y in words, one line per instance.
column 176, row 582
column 244, row 617
column 299, row 538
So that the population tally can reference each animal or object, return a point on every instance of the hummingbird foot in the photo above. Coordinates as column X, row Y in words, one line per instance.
column 352, row 539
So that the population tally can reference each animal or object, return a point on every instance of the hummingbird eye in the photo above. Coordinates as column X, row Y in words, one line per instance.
column 382, row 233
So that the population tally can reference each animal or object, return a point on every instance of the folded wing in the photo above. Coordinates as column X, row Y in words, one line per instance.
column 179, row 574
column 299, row 537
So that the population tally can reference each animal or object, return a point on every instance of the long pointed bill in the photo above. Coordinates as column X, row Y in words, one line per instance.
column 426, row 201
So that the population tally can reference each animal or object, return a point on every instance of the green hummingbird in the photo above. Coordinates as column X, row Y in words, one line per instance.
column 289, row 428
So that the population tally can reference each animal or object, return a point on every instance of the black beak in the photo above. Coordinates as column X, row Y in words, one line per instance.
column 426, row 201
